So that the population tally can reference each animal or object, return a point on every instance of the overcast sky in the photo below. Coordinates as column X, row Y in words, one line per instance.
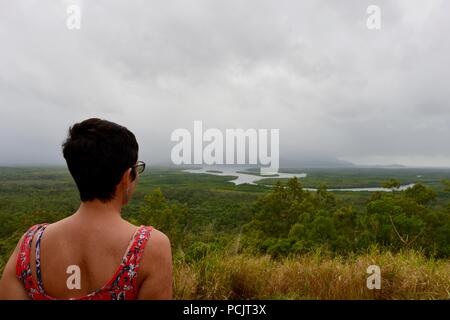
column 310, row 68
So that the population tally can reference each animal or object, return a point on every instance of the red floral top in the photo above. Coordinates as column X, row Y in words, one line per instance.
column 121, row 286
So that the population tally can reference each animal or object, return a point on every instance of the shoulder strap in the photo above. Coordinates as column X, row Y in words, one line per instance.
column 23, row 268
column 132, row 260
column 38, row 258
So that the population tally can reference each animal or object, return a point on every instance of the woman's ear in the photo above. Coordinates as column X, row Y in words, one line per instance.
column 126, row 182
column 133, row 174
column 127, row 175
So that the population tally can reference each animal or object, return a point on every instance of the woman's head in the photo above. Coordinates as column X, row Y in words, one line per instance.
column 101, row 157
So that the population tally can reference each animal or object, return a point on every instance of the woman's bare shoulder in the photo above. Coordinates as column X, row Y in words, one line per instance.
column 156, row 268
column 157, row 253
column 158, row 244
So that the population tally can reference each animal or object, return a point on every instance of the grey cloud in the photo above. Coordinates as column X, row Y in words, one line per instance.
column 310, row 68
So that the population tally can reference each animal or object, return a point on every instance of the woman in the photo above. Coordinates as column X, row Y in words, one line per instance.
column 93, row 254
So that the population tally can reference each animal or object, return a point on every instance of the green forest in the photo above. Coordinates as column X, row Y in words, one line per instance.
column 279, row 242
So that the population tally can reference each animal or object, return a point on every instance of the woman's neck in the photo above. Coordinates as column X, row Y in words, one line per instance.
column 96, row 209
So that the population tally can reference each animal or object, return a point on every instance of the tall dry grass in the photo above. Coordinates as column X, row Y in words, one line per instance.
column 405, row 275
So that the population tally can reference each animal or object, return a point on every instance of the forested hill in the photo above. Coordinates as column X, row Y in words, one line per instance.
column 212, row 222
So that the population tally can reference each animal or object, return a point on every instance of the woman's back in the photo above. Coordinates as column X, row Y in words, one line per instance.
column 96, row 251
column 76, row 259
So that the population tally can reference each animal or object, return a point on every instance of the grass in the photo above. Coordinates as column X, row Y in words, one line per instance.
column 406, row 275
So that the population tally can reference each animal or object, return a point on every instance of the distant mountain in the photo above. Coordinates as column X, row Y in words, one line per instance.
column 387, row 166
column 315, row 162
column 303, row 162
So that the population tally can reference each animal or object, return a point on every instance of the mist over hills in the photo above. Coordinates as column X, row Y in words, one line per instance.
column 315, row 162
column 306, row 161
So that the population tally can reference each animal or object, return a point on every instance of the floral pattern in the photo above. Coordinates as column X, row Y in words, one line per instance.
column 122, row 286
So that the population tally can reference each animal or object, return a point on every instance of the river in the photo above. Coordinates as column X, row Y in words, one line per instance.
column 241, row 178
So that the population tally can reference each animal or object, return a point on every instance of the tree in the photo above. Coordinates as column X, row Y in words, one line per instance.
column 391, row 184
column 420, row 193
column 169, row 218
column 446, row 183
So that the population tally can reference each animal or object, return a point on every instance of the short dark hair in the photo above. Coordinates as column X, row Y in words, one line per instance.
column 98, row 152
